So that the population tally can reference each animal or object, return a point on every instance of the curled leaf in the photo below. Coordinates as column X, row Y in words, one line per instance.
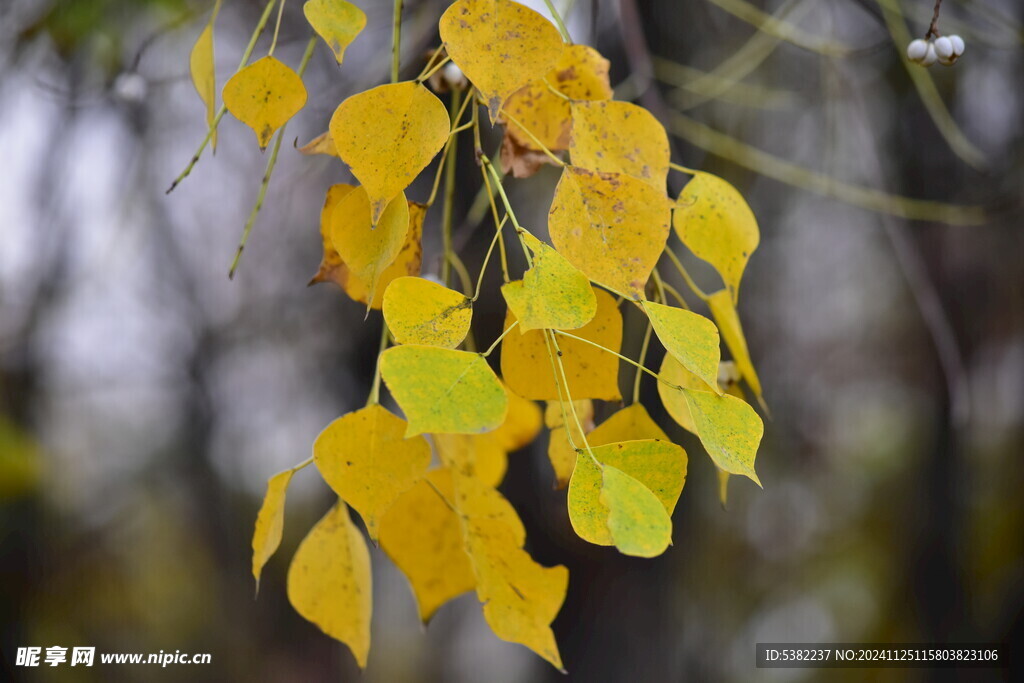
column 266, row 536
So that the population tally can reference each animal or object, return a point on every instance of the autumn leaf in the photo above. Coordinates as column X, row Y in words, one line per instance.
column 691, row 338
column 365, row 457
column 552, row 294
column 658, row 466
column 620, row 137
column 629, row 424
column 365, row 249
column 722, row 308
column 520, row 597
column 321, row 144
column 474, row 455
column 202, row 69
column 612, row 227
column 419, row 311
column 526, row 363
column 522, row 423
column 638, row 523
column 330, row 583
column 387, row 135
column 423, row 536
column 500, row 45
column 675, row 375
column 715, row 223
column 580, row 73
column 443, row 391
column 336, row 21
column 728, row 428
column 269, row 523
column 264, row 96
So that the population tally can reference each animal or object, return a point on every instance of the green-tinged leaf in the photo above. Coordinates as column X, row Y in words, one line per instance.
column 330, row 582
column 444, row 391
column 419, row 311
column 715, row 223
column 552, row 294
column 729, row 429
column 365, row 457
column 691, row 338
column 638, row 522
column 336, row 21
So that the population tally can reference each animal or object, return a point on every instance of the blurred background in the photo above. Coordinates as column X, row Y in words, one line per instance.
column 145, row 398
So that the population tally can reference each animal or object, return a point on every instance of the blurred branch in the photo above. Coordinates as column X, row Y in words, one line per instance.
column 684, row 78
column 771, row 166
column 927, row 91
column 781, row 29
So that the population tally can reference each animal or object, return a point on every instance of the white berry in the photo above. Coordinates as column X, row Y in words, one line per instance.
column 930, row 57
column 958, row 44
column 917, row 50
column 947, row 61
column 943, row 47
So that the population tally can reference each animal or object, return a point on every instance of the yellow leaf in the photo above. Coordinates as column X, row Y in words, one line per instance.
column 365, row 457
column 419, row 311
column 637, row 521
column 500, row 45
column 728, row 320
column 591, row 372
column 560, row 451
column 629, row 424
column 330, row 583
column 368, row 250
column 691, row 338
column 387, row 135
column 520, row 597
column 321, row 144
column 336, row 21
column 620, row 137
column 264, row 96
column 580, row 73
column 473, row 455
column 613, row 227
column 552, row 294
column 723, row 486
column 659, row 466
column 444, row 391
column 521, row 425
column 423, row 537
column 729, row 429
column 715, row 223
column 204, row 76
column 269, row 523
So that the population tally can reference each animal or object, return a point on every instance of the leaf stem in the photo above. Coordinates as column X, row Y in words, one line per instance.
column 449, row 191
column 456, row 129
column 558, row 21
column 260, row 25
column 277, row 28
column 642, row 359
column 396, row 41
column 268, row 172
column 684, row 169
column 497, row 341
column 487, row 258
column 686, row 275
column 427, row 74
column 572, row 406
column 374, row 398
column 541, row 145
column 619, row 356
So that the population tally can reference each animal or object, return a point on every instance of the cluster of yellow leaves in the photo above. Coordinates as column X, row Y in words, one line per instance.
column 425, row 485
